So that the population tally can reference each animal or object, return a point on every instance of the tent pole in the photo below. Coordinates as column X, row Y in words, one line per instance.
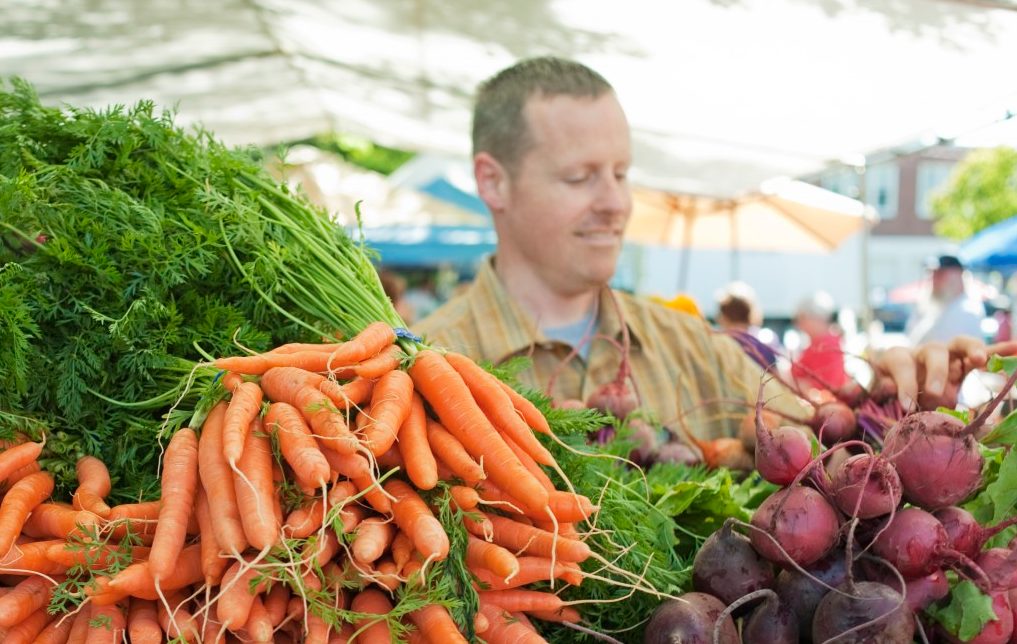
column 734, row 243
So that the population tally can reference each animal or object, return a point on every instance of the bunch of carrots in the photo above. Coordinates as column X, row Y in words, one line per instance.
column 318, row 501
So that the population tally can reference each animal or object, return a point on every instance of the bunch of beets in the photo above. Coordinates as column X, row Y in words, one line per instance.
column 856, row 543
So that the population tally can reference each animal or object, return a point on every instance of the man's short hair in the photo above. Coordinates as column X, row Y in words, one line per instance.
column 499, row 126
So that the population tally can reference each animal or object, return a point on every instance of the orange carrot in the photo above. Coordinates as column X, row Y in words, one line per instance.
column 107, row 625
column 243, row 407
column 213, row 565
column 386, row 361
column 57, row 632
column 297, row 444
column 27, row 597
column 14, row 458
column 530, row 464
column 33, row 558
column 414, row 518
column 518, row 537
column 326, row 422
column 231, row 380
column 320, row 551
column 502, row 627
column 350, row 514
column 386, row 574
column 177, row 621
column 390, row 405
column 448, row 395
column 402, row 549
column 136, row 580
column 237, row 595
column 305, row 520
column 259, row 624
column 527, row 410
column 345, row 397
column 563, row 614
column 20, row 473
column 18, row 503
column 275, row 603
column 93, row 486
column 464, row 498
column 139, row 518
column 317, row 629
column 373, row 494
column 522, row 600
column 420, row 464
column 451, row 452
column 366, row 344
column 481, row 554
column 497, row 406
column 566, row 506
column 258, row 364
column 478, row 525
column 255, row 491
column 282, row 383
column 79, row 630
column 217, row 481
column 531, row 569
column 57, row 521
column 143, row 622
column 373, row 537
column 29, row 628
column 436, row 624
column 346, row 465
column 179, row 487
column 376, row 603
column 99, row 556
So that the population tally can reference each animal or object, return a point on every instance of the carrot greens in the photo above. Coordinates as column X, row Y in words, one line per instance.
column 128, row 248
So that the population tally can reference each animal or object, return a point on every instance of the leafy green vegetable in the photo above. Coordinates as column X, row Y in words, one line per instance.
column 650, row 523
column 129, row 249
column 967, row 611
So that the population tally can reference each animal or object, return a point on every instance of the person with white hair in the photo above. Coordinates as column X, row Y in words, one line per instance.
column 821, row 364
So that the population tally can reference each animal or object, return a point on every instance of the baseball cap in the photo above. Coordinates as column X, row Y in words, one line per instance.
column 943, row 261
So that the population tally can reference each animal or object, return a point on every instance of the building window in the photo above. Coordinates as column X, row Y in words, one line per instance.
column 931, row 177
column 882, row 183
column 843, row 181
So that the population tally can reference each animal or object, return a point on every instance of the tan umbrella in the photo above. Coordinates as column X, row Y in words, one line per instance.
column 784, row 215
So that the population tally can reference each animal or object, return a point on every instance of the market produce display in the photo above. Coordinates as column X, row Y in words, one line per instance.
column 136, row 258
column 214, row 426
column 910, row 537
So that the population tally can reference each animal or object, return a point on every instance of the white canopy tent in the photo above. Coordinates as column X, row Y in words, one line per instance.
column 722, row 94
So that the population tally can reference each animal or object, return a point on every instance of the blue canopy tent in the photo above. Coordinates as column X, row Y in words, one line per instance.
column 430, row 246
column 993, row 249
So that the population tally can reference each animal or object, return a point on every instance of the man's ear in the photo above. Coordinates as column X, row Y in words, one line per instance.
column 492, row 181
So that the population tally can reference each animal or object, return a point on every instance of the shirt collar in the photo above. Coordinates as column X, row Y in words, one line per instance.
column 517, row 331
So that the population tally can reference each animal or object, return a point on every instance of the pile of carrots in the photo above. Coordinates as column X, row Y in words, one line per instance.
column 364, row 442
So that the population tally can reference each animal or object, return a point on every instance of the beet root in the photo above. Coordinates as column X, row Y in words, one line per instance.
column 914, row 543
column 690, row 619
column 772, row 622
column 938, row 463
column 880, row 608
column 802, row 593
column 781, row 454
column 868, row 483
column 834, row 422
column 801, row 520
column 962, row 529
column 615, row 398
column 728, row 567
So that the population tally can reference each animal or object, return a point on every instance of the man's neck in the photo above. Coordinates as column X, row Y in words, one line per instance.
column 548, row 306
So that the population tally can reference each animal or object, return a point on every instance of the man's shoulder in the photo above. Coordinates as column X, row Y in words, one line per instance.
column 446, row 320
column 652, row 316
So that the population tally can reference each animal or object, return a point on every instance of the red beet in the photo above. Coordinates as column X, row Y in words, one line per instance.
column 914, row 542
column 727, row 566
column 802, row 593
column 881, row 608
column 834, row 422
column 965, row 535
column 938, row 461
column 801, row 520
column 868, row 482
column 690, row 619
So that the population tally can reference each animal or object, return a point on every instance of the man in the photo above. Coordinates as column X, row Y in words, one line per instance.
column 551, row 154
column 950, row 310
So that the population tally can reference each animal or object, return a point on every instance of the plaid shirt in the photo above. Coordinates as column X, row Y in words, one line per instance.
column 682, row 368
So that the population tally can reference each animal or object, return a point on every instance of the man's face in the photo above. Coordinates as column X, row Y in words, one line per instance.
column 947, row 283
column 566, row 205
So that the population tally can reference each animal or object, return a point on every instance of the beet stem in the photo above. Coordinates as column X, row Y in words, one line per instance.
column 733, row 606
